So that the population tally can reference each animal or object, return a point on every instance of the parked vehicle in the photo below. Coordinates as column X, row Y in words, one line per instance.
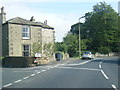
column 87, row 55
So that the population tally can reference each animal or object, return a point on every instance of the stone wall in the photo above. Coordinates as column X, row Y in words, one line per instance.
column 16, row 62
column 14, row 41
column 48, row 36
column 105, row 55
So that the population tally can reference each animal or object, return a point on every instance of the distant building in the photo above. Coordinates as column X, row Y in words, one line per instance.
column 18, row 35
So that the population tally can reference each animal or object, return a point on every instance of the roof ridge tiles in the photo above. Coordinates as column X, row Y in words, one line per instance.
column 19, row 20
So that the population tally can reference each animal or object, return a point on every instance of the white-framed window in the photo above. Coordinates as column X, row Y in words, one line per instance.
column 25, row 32
column 26, row 50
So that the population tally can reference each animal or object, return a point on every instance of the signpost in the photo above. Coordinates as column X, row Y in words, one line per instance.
column 37, row 55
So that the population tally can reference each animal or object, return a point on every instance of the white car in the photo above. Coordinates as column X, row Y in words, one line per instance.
column 87, row 55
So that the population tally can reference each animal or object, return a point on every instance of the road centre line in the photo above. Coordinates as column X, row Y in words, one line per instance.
column 32, row 75
column 8, row 85
column 26, row 77
column 38, row 72
column 43, row 70
column 18, row 81
column 113, row 86
column 100, row 66
column 104, row 74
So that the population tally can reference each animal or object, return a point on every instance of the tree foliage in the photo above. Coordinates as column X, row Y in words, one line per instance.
column 100, row 29
column 71, row 40
column 36, row 48
column 99, row 33
column 48, row 49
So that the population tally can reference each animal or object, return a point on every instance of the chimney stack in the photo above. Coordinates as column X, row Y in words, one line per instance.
column 45, row 22
column 3, row 15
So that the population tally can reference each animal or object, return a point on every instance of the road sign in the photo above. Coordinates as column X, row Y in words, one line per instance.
column 37, row 55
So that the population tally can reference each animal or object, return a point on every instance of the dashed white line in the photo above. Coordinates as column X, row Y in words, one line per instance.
column 32, row 75
column 114, row 87
column 104, row 74
column 100, row 66
column 43, row 70
column 7, row 85
column 38, row 72
column 18, row 81
column 26, row 77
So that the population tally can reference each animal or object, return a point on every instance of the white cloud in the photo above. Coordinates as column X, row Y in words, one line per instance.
column 61, row 22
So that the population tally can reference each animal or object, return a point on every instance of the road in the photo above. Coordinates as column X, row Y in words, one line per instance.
column 97, row 73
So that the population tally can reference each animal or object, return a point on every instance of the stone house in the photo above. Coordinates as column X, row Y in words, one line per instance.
column 18, row 35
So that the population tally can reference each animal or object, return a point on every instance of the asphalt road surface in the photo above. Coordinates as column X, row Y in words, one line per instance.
column 97, row 73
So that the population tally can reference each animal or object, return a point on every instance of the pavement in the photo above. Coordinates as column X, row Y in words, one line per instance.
column 98, row 73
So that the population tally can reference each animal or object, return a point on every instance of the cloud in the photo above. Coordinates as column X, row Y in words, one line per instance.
column 60, row 21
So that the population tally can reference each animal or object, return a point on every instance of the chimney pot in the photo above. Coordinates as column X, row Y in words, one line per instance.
column 32, row 19
column 45, row 22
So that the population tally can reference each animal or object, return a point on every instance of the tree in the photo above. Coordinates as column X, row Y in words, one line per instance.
column 61, row 46
column 48, row 49
column 71, row 40
column 105, row 27
column 100, row 30
column 36, row 48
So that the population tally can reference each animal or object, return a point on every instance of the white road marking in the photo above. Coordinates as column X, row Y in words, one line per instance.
column 43, row 70
column 38, row 72
column 79, row 63
column 7, row 85
column 104, row 74
column 85, row 62
column 114, row 87
column 26, row 77
column 32, row 75
column 57, row 65
column 18, row 81
column 100, row 66
column 81, row 68
column 101, row 61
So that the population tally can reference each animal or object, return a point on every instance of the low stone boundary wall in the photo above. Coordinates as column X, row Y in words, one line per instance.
column 103, row 55
column 17, row 61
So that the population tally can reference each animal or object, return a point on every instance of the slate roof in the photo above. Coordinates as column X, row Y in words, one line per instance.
column 19, row 20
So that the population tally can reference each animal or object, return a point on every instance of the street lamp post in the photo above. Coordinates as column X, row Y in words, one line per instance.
column 80, row 37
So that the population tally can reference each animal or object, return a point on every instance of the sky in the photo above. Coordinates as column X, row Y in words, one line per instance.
column 60, row 14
